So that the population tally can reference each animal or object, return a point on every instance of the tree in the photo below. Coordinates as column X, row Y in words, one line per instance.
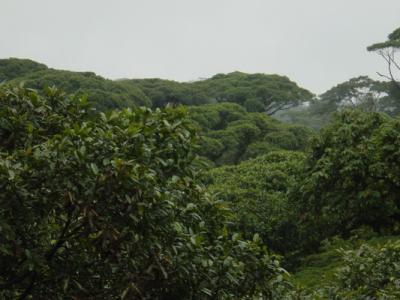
column 107, row 206
column 361, row 92
column 351, row 177
column 257, row 92
column 388, row 51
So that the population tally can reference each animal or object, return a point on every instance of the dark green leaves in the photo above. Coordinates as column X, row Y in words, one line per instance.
column 108, row 206
column 351, row 176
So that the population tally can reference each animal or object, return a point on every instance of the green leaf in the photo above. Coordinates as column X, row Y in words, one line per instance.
column 94, row 168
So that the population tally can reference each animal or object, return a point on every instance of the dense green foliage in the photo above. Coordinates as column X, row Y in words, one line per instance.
column 103, row 93
column 230, row 134
column 352, row 174
column 255, row 92
column 369, row 272
column 349, row 179
column 13, row 67
column 257, row 191
column 107, row 206
column 365, row 266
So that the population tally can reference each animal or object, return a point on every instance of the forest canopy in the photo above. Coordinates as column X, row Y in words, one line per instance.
column 255, row 92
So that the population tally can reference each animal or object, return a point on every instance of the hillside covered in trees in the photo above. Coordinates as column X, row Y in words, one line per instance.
column 239, row 186
column 255, row 92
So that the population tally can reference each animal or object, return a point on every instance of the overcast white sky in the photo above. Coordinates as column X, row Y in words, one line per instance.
column 317, row 43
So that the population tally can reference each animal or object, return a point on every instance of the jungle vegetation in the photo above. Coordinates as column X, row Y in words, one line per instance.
column 239, row 186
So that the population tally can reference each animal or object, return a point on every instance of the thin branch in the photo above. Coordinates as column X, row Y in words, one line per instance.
column 281, row 107
column 384, row 76
column 61, row 238
column 393, row 59
column 388, row 56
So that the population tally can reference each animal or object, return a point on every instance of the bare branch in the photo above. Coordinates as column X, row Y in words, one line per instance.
column 389, row 57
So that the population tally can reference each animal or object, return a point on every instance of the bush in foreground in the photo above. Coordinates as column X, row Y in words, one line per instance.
column 107, row 206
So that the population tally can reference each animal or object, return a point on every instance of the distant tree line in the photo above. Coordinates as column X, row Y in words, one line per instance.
column 255, row 92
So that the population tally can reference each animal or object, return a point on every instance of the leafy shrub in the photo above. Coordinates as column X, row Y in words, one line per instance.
column 257, row 192
column 370, row 272
column 351, row 177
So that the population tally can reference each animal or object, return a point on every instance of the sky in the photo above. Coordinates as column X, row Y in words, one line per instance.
column 317, row 43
